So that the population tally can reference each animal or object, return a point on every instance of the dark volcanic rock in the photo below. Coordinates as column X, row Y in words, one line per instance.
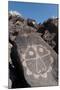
column 52, row 27
column 49, row 30
column 18, row 25
column 16, row 73
column 32, row 23
column 32, row 60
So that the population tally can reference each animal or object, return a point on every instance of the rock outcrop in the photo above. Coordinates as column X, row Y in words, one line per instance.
column 30, row 42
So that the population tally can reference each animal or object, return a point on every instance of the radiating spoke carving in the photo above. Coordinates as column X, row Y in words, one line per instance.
column 38, row 60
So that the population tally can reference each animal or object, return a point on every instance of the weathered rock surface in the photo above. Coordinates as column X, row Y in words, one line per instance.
column 33, row 49
column 23, row 42
column 49, row 30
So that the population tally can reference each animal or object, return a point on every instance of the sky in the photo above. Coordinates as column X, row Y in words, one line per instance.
column 37, row 11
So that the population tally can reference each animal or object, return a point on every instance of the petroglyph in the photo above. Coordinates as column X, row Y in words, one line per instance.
column 37, row 61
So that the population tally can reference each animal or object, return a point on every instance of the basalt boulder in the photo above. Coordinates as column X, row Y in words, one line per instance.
column 39, row 60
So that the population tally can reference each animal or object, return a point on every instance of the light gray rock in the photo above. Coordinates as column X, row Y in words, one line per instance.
column 47, row 57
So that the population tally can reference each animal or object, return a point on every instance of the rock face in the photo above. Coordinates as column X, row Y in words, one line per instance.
column 49, row 30
column 33, row 57
column 37, row 59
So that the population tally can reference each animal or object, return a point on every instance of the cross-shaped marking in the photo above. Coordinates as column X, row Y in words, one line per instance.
column 37, row 53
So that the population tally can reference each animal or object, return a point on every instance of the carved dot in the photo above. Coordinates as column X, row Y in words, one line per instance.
column 41, row 49
column 31, row 53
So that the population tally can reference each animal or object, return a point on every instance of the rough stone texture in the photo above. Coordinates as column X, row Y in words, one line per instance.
column 9, row 61
column 34, row 39
column 32, row 45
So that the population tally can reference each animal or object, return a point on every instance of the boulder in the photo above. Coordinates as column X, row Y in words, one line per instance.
column 33, row 51
column 31, row 23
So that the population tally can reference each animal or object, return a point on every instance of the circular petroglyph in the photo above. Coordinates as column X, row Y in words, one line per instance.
column 42, row 51
column 31, row 53
column 37, row 61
